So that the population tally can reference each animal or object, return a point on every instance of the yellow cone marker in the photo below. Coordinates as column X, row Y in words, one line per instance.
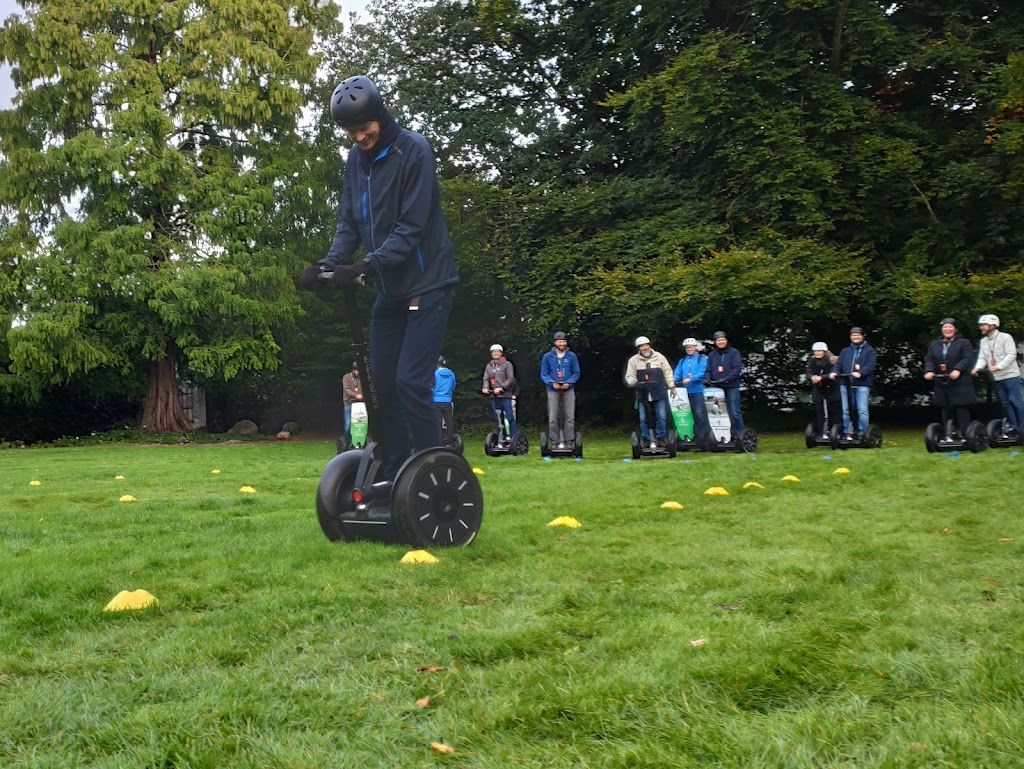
column 134, row 599
column 247, row 490
column 671, row 506
column 841, row 471
column 752, row 485
column 118, row 477
column 717, row 491
column 418, row 556
column 127, row 498
column 35, row 483
column 565, row 520
column 790, row 479
column 215, row 471
column 478, row 471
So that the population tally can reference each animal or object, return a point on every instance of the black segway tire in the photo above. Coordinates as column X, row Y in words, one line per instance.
column 994, row 429
column 544, row 444
column 457, row 445
column 671, row 443
column 835, row 437
column 634, row 442
column 977, row 438
column 334, row 493
column 520, row 446
column 577, row 446
column 437, row 500
column 810, row 436
column 707, row 435
column 490, row 442
column 931, row 437
column 872, row 438
column 746, row 442
column 714, row 445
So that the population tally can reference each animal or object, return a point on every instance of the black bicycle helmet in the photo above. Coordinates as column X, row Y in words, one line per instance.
column 356, row 100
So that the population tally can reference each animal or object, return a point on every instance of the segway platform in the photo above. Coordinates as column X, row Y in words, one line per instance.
column 498, row 442
column 549, row 448
column 938, row 440
column 655, row 449
column 997, row 437
column 718, row 437
column 871, row 439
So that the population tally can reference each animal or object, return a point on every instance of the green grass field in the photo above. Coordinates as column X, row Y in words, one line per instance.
column 866, row 620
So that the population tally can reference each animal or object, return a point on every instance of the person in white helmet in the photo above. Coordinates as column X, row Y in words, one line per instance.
column 997, row 354
column 500, row 382
column 689, row 373
column 828, row 410
column 649, row 373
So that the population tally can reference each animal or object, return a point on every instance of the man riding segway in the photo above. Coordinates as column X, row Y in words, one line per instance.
column 560, row 371
column 948, row 364
column 650, row 375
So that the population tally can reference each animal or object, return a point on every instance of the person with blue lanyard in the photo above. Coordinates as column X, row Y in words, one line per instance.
column 560, row 371
column 390, row 206
column 690, row 372
column 855, row 371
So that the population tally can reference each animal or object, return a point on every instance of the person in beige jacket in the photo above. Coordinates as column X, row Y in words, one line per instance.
column 649, row 373
column 997, row 354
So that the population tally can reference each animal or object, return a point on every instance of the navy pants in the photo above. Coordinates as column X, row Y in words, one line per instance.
column 404, row 347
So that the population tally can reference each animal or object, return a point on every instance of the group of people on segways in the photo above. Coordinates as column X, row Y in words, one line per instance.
column 675, row 401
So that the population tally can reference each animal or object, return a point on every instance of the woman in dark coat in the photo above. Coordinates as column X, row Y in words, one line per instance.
column 948, row 363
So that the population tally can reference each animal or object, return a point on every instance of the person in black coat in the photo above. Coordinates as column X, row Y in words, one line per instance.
column 948, row 364
column 824, row 391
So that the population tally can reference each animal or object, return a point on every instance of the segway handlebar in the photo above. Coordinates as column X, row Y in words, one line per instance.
column 328, row 275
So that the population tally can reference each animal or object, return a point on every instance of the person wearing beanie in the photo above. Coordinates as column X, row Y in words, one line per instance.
column 560, row 371
column 997, row 354
column 855, row 373
column 725, row 369
column 351, row 392
column 398, row 223
column 824, row 391
column 442, row 393
column 649, row 373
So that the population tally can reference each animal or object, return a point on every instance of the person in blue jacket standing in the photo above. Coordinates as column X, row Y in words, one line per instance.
column 855, row 371
column 560, row 371
column 689, row 373
column 390, row 205
column 725, row 368
column 442, row 393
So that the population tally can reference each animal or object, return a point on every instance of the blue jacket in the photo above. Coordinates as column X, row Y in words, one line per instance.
column 394, row 212
column 860, row 358
column 730, row 362
column 564, row 370
column 444, row 385
column 695, row 367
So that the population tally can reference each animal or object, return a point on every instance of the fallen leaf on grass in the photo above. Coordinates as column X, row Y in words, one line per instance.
column 935, row 555
column 423, row 702
column 727, row 606
column 1006, row 539
column 440, row 747
column 431, row 669
column 945, row 532
column 698, row 642
column 992, row 582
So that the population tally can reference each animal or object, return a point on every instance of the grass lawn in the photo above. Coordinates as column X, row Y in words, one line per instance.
column 866, row 620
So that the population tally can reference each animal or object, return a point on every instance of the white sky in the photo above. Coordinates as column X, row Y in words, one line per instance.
column 9, row 7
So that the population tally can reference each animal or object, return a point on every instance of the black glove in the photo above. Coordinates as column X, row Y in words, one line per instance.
column 309, row 280
column 349, row 273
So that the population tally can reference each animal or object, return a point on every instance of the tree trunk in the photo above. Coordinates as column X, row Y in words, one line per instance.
column 162, row 412
column 837, row 36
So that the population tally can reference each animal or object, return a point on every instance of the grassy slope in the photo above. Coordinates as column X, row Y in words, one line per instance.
column 843, row 627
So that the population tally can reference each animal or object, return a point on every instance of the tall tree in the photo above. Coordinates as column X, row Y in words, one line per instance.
column 141, row 186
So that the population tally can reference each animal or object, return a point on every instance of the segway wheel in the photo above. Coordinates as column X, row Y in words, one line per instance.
column 671, row 442
column 707, row 435
column 457, row 445
column 437, row 500
column 931, row 437
column 977, row 439
column 872, row 438
column 334, row 493
column 634, row 442
column 994, row 429
column 520, row 445
column 341, row 445
column 714, row 445
column 747, row 440
column 835, row 437
column 577, row 447
column 490, row 442
column 810, row 436
column 544, row 444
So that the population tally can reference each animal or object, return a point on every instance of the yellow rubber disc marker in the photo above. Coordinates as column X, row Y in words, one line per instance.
column 752, row 485
column 127, row 498
column 671, row 506
column 215, row 471
column 717, row 491
column 565, row 520
column 478, row 471
column 841, row 471
column 418, row 556
column 118, row 477
column 791, row 479
column 247, row 490
column 35, row 483
column 134, row 599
